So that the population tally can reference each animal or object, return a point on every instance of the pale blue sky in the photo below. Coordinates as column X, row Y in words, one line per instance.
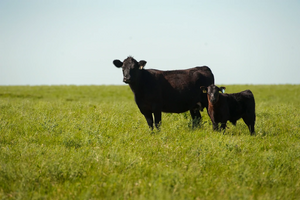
column 54, row 42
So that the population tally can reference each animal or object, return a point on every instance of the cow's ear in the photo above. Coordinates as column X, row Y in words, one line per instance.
column 222, row 89
column 142, row 64
column 204, row 89
column 118, row 63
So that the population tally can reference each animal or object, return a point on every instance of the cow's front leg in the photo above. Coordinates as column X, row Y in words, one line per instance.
column 196, row 116
column 157, row 118
column 149, row 119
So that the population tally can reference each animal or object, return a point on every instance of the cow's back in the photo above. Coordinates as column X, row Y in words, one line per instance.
column 178, row 90
column 189, row 78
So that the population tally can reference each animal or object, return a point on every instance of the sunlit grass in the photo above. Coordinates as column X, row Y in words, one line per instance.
column 91, row 142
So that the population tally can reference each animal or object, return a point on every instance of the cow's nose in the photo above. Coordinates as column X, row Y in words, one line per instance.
column 126, row 80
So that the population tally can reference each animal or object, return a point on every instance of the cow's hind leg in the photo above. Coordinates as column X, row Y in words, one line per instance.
column 196, row 116
column 157, row 118
column 250, row 122
column 251, row 129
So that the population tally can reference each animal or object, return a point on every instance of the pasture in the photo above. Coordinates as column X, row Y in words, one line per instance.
column 91, row 142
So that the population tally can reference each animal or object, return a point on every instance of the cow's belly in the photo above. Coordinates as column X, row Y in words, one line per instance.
column 169, row 102
column 171, row 107
column 179, row 107
column 178, row 110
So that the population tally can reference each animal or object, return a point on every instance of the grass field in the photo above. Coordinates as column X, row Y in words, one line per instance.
column 91, row 142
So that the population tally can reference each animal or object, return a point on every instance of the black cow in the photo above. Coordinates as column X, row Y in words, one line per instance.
column 223, row 107
column 158, row 91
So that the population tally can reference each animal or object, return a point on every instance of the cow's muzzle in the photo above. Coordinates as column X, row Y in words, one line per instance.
column 125, row 80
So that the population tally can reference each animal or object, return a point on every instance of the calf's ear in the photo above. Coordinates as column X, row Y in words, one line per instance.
column 118, row 63
column 142, row 64
column 222, row 89
column 204, row 89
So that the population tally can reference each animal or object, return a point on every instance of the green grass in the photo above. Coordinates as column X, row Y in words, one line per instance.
column 91, row 142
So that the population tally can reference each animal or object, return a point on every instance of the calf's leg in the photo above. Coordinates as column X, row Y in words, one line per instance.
column 223, row 126
column 215, row 126
column 233, row 122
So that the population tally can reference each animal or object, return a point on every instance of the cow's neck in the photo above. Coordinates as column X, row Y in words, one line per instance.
column 133, row 87
column 137, row 84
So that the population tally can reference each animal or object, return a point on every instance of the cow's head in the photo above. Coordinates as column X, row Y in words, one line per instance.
column 212, row 92
column 130, row 68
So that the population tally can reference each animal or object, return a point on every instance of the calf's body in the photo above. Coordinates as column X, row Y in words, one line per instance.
column 230, row 107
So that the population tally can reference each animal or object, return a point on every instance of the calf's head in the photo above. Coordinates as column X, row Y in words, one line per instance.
column 212, row 92
column 130, row 68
